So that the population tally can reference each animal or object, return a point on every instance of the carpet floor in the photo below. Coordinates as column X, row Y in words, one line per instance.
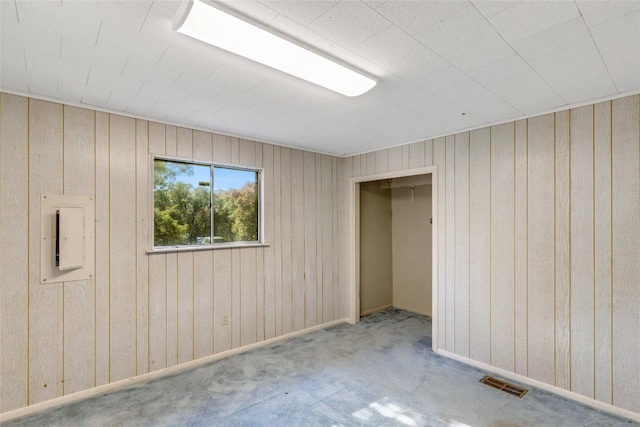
column 380, row 372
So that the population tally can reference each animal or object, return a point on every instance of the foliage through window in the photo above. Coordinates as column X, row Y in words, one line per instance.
column 183, row 202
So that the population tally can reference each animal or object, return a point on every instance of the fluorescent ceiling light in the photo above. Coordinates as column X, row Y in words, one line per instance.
column 201, row 20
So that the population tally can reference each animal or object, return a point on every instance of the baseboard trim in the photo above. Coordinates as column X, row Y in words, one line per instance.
column 624, row 413
column 84, row 394
column 368, row 312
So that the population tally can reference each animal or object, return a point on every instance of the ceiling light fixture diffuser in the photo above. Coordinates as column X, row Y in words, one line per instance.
column 204, row 21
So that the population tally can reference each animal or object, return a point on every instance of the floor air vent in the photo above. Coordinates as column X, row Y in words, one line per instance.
column 504, row 386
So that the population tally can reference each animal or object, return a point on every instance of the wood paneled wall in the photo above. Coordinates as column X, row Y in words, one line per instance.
column 539, row 245
column 144, row 312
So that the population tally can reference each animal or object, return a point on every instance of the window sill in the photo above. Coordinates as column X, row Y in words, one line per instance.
column 216, row 246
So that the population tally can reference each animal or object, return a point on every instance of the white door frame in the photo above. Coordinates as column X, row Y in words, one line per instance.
column 354, row 241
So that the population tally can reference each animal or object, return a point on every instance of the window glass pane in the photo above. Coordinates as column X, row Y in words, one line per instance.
column 182, row 203
column 235, row 204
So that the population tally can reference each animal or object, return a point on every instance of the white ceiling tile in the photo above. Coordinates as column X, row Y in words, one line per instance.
column 501, row 70
column 443, row 79
column 56, row 67
column 252, row 10
column 235, row 113
column 193, row 64
column 14, row 78
column 419, row 64
column 416, row 16
column 45, row 86
column 84, row 54
column 29, row 38
column 130, row 43
column 583, row 54
column 446, row 35
column 136, row 69
column 388, row 46
column 534, row 99
column 198, row 103
column 170, row 112
column 103, row 79
column 198, row 87
column 12, row 56
column 619, row 30
column 492, row 7
column 623, row 64
column 85, row 94
column 157, row 93
column 57, row 20
column 596, row 12
column 297, row 32
column 304, row 12
column 130, row 16
column 470, row 97
column 158, row 25
column 583, row 82
column 236, row 98
column 531, row 17
column 391, row 88
column 515, row 84
column 234, row 78
column 8, row 12
column 121, row 102
column 554, row 40
column 269, row 108
column 479, row 54
column 495, row 112
column 349, row 23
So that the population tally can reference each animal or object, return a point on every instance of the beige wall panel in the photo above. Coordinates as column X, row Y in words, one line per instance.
column 439, row 158
column 222, row 283
column 45, row 300
column 203, row 303
column 248, row 296
column 185, row 306
column 602, row 251
column 202, row 146
column 562, row 251
column 356, row 166
column 277, row 243
column 382, row 161
column 406, row 152
column 310, row 237
column 172, row 308
column 521, row 242
column 335, row 249
column 502, row 246
column 157, row 137
column 268, row 258
column 480, row 245
column 79, row 296
column 102, row 280
column 171, row 141
column 450, row 243
column 461, row 244
column 157, row 311
column 395, row 158
column 297, row 240
column 14, row 231
column 416, row 155
column 625, row 143
column 221, row 149
column 234, row 151
column 370, row 163
column 236, row 298
column 260, row 268
column 319, row 242
column 428, row 152
column 582, row 252
column 143, row 220
column 286, row 239
column 345, row 167
column 541, row 345
column 328, row 261
column 184, row 143
column 247, row 153
column 122, row 296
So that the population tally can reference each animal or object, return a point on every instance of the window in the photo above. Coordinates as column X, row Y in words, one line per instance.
column 196, row 204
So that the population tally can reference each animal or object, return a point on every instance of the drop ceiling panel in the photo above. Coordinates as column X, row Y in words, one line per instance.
column 433, row 60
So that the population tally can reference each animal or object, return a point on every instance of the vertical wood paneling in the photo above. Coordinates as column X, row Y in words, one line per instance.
column 439, row 157
column 582, row 252
column 171, row 141
column 122, row 257
column 602, row 251
column 382, row 161
column 143, row 239
column 309, row 189
column 297, row 241
column 449, row 234
column 45, row 300
column 286, row 220
column 428, row 152
column 461, row 241
column 236, row 298
column 268, row 261
column 14, row 231
column 260, row 268
column 521, row 242
column 327, row 259
column 248, row 296
column 157, row 312
column 102, row 171
column 562, row 251
column 79, row 296
column 222, row 301
column 502, row 246
column 335, row 265
column 541, row 273
column 625, row 146
column 395, row 158
column 221, row 150
column 185, row 307
column 370, row 163
column 277, row 241
column 172, row 308
column 406, row 150
column 344, row 205
column 480, row 246
column 319, row 241
column 416, row 155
